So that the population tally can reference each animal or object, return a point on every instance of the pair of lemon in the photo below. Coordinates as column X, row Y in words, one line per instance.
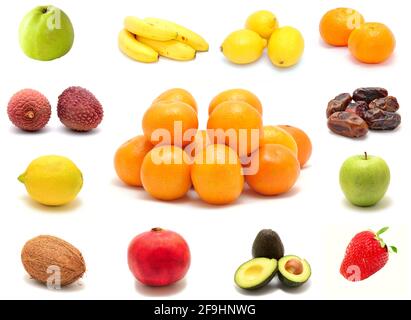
column 285, row 44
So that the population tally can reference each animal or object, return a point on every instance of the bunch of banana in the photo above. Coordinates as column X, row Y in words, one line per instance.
column 145, row 40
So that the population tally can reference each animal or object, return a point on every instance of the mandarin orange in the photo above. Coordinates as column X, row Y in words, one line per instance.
column 372, row 43
column 170, row 122
column 165, row 173
column 278, row 170
column 177, row 94
column 303, row 141
column 238, row 125
column 217, row 175
column 128, row 160
column 236, row 95
column 337, row 24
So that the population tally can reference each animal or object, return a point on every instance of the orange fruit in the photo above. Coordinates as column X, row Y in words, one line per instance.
column 278, row 170
column 238, row 125
column 372, row 43
column 170, row 122
column 177, row 94
column 337, row 24
column 165, row 173
column 303, row 142
column 201, row 141
column 128, row 160
column 217, row 175
column 236, row 95
column 277, row 135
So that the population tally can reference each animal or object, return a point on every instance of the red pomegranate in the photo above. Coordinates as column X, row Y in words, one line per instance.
column 159, row 257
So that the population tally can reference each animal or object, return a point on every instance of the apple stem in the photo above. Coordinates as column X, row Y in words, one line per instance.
column 156, row 229
column 366, row 155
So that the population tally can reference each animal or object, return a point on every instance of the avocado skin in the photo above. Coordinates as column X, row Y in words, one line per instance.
column 288, row 282
column 268, row 244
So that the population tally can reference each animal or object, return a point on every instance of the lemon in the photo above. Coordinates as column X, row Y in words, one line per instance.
column 263, row 22
column 285, row 47
column 243, row 46
column 52, row 180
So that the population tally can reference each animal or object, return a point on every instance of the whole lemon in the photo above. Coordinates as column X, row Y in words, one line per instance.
column 52, row 180
column 263, row 22
column 243, row 46
column 285, row 47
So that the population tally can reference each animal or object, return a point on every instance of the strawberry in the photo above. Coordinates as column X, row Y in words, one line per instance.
column 366, row 254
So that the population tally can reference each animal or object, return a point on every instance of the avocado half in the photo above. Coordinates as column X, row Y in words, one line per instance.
column 293, row 271
column 256, row 273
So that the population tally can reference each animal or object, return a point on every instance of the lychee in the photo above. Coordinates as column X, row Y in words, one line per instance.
column 79, row 110
column 29, row 110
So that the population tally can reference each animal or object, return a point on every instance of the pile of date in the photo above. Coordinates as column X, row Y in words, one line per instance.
column 367, row 109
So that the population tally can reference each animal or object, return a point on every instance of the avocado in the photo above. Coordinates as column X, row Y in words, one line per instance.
column 293, row 271
column 256, row 273
column 268, row 244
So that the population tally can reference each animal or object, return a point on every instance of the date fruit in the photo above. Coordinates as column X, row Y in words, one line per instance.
column 389, row 104
column 339, row 103
column 369, row 94
column 359, row 108
column 378, row 119
column 369, row 108
column 347, row 124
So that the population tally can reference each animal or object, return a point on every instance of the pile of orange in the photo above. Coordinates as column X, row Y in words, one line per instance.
column 368, row 42
column 173, row 155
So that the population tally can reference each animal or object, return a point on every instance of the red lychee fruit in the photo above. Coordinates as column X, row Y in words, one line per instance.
column 79, row 110
column 29, row 110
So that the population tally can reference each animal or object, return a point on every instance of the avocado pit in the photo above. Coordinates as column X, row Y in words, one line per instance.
column 293, row 271
column 294, row 266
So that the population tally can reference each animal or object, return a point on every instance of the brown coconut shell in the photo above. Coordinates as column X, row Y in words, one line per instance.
column 40, row 253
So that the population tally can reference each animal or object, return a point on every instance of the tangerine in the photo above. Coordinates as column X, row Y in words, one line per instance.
column 337, row 24
column 165, row 173
column 128, row 160
column 236, row 95
column 278, row 170
column 177, row 94
column 238, row 125
column 303, row 141
column 217, row 175
column 277, row 135
column 170, row 122
column 372, row 43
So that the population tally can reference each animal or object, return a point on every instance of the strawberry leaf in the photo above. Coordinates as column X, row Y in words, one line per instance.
column 382, row 231
column 378, row 237
column 394, row 249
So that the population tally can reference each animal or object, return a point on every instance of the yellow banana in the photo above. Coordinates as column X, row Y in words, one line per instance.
column 183, row 34
column 134, row 49
column 171, row 49
column 149, row 30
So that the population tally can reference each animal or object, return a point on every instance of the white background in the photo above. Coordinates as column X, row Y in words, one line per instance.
column 314, row 220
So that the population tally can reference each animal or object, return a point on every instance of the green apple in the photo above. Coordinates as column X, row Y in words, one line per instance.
column 46, row 33
column 364, row 179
